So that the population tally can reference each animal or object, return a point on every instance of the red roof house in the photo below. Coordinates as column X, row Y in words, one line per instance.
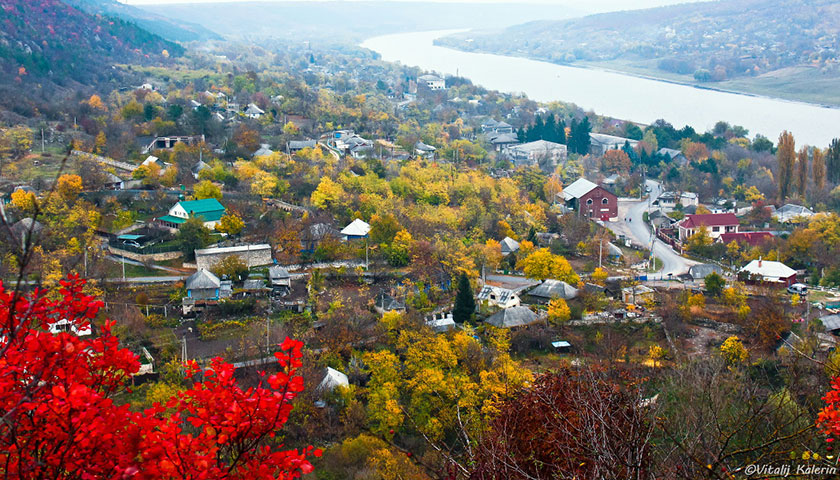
column 753, row 239
column 717, row 223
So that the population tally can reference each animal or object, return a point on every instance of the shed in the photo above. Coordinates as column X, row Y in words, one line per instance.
column 203, row 285
column 551, row 288
column 509, row 246
column 279, row 276
column 356, row 229
column 332, row 380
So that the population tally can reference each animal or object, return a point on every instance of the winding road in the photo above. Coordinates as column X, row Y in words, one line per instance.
column 633, row 210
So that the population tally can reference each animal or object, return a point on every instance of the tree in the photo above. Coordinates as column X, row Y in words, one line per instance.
column 616, row 161
column 192, row 235
column 832, row 160
column 714, row 284
column 802, row 172
column 231, row 224
column 399, row 251
column 24, row 201
column 542, row 264
column 785, row 156
column 818, row 169
column 558, row 311
column 232, row 267
column 69, row 187
column 733, row 352
column 464, row 300
column 207, row 189
column 328, row 194
column 585, row 423
column 599, row 276
column 62, row 419
column 699, row 241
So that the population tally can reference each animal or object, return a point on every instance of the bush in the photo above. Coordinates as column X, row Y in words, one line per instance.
column 231, row 307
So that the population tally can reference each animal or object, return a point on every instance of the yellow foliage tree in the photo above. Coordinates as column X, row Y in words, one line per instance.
column 542, row 264
column 558, row 311
column 733, row 352
column 207, row 189
column 328, row 194
column 69, row 187
column 231, row 224
column 599, row 276
column 24, row 201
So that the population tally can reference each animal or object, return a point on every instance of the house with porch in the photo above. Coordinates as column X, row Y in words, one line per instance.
column 209, row 210
column 590, row 200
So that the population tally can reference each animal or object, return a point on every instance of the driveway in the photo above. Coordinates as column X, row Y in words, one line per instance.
column 637, row 230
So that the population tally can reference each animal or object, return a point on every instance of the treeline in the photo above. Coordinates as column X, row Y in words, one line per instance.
column 575, row 135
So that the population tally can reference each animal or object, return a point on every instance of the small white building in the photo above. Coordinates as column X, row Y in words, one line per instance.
column 252, row 255
column 790, row 213
column 540, row 152
column 509, row 246
column 253, row 111
column 768, row 271
column 332, row 379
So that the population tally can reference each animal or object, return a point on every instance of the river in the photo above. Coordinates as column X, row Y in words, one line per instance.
column 613, row 94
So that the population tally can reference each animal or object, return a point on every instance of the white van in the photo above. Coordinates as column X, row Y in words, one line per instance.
column 798, row 288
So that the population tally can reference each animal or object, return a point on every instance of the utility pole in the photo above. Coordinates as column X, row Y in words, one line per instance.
column 123, row 266
column 600, row 251
column 184, row 349
column 267, row 335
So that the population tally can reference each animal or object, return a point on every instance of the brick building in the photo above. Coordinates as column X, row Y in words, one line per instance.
column 590, row 200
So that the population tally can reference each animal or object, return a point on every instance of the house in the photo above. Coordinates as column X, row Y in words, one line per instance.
column 614, row 254
column 264, row 151
column 432, row 82
column 702, row 270
column 599, row 143
column 332, row 379
column 26, row 231
column 357, row 229
column 540, row 152
column 509, row 246
column 674, row 155
column 689, row 199
column 312, row 237
column 498, row 297
column 669, row 200
column 295, row 146
column 767, row 271
column 113, row 182
column 425, row 151
column 153, row 160
column 253, row 255
column 492, row 126
column 253, row 111
column 209, row 210
column 637, row 294
column 385, row 302
column 831, row 323
column 279, row 277
column 752, row 239
column 514, row 317
column 550, row 289
column 789, row 213
column 590, row 200
column 168, row 143
column 198, row 168
column 502, row 141
column 203, row 285
column 716, row 223
column 67, row 326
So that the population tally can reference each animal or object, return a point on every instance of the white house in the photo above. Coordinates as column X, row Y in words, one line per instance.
column 433, row 82
column 498, row 297
column 65, row 325
column 423, row 150
column 768, row 271
column 253, row 111
column 356, row 229
column 509, row 246
column 789, row 212
column 541, row 152
column 600, row 143
column 716, row 223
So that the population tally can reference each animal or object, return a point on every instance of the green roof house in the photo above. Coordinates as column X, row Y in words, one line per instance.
column 209, row 210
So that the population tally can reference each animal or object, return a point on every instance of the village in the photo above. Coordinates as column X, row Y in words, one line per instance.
column 216, row 216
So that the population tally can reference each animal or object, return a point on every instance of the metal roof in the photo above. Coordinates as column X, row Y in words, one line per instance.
column 578, row 188
column 202, row 279
column 551, row 288
column 512, row 317
column 357, row 228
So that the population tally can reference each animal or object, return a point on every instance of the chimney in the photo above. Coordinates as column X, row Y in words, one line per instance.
column 759, row 262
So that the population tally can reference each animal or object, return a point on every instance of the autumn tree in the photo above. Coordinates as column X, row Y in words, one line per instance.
column 785, row 157
column 542, row 264
column 231, row 224
column 586, row 423
column 399, row 250
column 818, row 169
column 232, row 267
column 615, row 161
column 207, row 189
column 558, row 311
column 62, row 415
column 464, row 300
column 328, row 194
column 832, row 160
column 733, row 352
column 802, row 172
column 69, row 187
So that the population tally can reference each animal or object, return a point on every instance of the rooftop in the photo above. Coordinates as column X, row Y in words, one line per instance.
column 512, row 317
column 578, row 188
column 237, row 249
column 709, row 220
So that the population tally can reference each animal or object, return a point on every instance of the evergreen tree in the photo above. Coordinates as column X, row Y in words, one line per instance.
column 464, row 300
column 560, row 133
column 572, row 140
column 583, row 142
column 521, row 135
column 550, row 129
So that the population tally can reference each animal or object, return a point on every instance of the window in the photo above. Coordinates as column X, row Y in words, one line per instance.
column 605, row 201
column 589, row 201
column 715, row 229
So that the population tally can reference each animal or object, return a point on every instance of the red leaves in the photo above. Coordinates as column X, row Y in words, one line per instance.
column 55, row 391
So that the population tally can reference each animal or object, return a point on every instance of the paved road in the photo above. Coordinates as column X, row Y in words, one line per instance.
column 638, row 231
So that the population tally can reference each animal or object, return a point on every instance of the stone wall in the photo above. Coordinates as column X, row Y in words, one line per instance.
column 145, row 257
column 254, row 257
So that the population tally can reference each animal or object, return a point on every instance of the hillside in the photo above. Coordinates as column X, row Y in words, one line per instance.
column 51, row 42
column 168, row 28
column 710, row 42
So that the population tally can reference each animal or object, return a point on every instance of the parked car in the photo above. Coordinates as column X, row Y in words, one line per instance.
column 132, row 243
column 798, row 288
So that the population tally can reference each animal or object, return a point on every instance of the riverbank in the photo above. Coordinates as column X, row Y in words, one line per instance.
column 803, row 84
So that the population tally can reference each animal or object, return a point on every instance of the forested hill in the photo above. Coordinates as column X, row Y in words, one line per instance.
column 49, row 41
column 713, row 41
column 168, row 28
